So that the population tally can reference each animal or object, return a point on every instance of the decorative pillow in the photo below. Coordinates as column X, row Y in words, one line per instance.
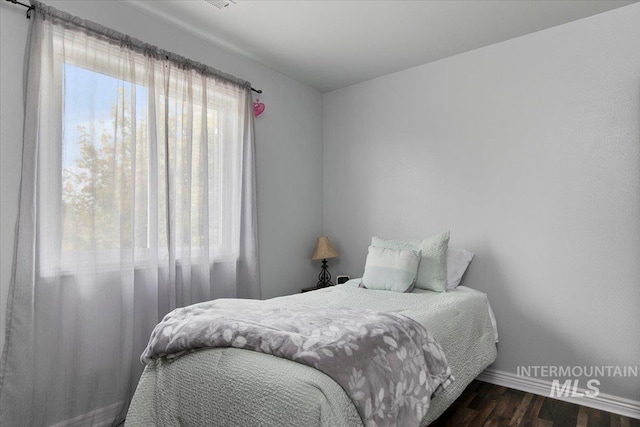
column 391, row 269
column 458, row 261
column 432, row 272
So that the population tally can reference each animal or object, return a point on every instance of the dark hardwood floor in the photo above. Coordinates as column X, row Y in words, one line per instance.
column 488, row 405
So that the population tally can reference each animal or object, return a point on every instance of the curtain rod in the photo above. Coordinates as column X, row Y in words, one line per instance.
column 30, row 8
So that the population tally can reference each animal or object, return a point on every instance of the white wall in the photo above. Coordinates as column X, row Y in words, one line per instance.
column 288, row 142
column 529, row 151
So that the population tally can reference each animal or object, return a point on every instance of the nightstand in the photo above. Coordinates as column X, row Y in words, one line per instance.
column 312, row 288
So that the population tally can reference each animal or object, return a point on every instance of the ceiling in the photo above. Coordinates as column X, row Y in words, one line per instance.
column 330, row 44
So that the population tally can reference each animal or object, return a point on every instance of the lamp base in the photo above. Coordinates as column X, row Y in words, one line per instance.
column 324, row 278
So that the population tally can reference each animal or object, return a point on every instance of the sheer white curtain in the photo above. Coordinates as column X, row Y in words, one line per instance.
column 137, row 196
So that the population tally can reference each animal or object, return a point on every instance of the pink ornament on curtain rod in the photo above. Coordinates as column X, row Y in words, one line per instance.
column 258, row 107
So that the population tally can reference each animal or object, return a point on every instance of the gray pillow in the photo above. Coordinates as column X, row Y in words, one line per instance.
column 458, row 261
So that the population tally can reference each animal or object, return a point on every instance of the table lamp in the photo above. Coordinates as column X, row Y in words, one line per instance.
column 324, row 251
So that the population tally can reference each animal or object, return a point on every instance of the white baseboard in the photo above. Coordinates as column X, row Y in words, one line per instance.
column 603, row 402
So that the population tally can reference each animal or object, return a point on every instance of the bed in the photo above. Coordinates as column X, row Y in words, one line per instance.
column 236, row 387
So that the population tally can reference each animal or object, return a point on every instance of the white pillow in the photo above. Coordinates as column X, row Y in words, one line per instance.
column 458, row 261
column 391, row 269
column 432, row 272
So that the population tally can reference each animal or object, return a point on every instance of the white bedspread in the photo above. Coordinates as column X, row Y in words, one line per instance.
column 232, row 387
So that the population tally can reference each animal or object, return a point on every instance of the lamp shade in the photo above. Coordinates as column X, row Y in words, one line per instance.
column 323, row 249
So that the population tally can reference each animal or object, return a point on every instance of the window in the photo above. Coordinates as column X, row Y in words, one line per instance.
column 150, row 164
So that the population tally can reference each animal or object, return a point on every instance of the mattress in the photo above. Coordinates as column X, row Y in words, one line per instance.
column 233, row 387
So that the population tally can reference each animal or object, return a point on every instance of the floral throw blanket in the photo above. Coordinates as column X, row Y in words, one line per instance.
column 388, row 364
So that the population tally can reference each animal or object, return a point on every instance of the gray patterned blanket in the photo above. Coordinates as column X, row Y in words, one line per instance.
column 388, row 364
